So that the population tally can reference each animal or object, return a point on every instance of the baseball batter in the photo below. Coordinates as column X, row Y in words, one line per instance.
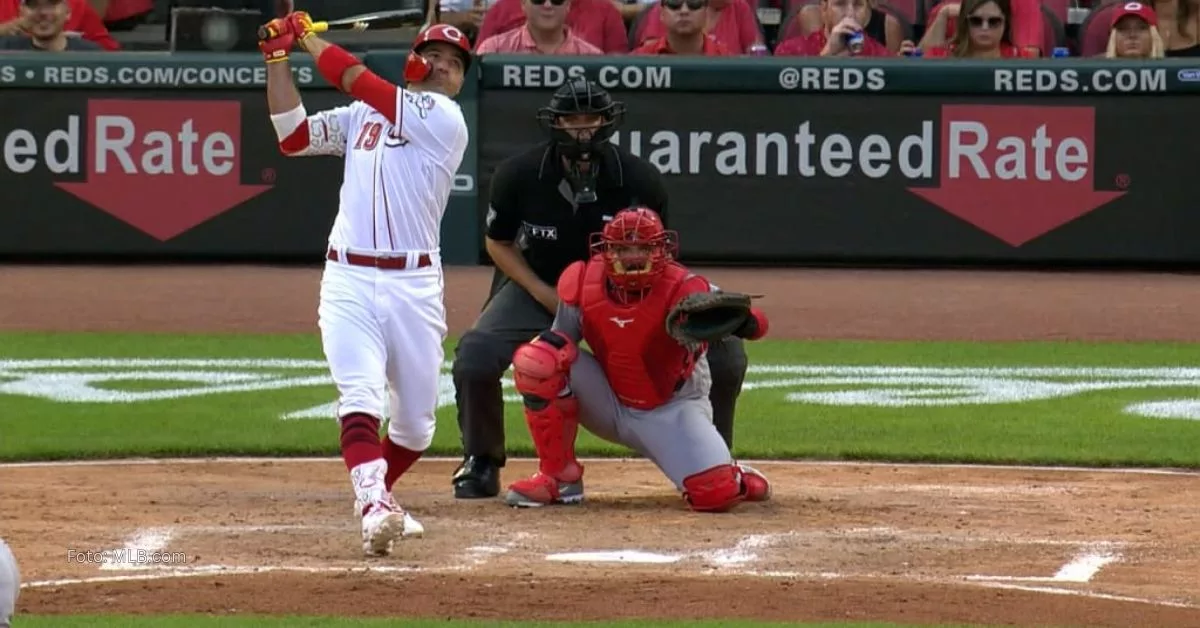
column 641, row 387
column 10, row 585
column 381, row 312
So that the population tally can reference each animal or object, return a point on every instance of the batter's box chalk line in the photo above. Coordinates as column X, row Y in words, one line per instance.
column 744, row 552
column 197, row 571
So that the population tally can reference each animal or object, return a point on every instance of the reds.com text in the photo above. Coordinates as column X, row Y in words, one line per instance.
column 1099, row 81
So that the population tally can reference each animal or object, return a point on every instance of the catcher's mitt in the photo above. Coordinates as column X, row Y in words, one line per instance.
column 707, row 317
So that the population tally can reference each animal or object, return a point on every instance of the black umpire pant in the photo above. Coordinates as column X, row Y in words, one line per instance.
column 513, row 317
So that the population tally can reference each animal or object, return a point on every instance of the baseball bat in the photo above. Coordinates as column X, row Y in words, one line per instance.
column 380, row 20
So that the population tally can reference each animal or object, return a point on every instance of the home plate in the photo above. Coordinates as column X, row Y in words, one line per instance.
column 620, row 556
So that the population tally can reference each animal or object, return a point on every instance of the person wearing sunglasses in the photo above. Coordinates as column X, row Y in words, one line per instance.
column 597, row 22
column 545, row 32
column 683, row 22
column 982, row 30
column 1024, row 26
column 842, row 36
column 733, row 23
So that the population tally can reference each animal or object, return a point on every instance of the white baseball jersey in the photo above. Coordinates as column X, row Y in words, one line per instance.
column 397, row 178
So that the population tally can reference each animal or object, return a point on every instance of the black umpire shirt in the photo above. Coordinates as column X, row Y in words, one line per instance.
column 533, row 204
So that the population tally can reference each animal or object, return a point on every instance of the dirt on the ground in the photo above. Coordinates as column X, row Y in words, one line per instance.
column 844, row 541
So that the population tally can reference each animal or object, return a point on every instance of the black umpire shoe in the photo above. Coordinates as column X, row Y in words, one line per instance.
column 478, row 477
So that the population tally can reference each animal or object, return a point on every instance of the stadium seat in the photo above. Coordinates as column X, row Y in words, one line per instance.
column 1093, row 32
column 1055, row 30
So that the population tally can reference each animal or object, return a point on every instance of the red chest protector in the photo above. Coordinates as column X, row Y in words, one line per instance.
column 644, row 365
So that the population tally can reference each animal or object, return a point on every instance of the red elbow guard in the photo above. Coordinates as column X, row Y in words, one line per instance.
column 297, row 141
column 333, row 63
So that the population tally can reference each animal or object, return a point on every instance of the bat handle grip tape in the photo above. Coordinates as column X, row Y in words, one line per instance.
column 269, row 32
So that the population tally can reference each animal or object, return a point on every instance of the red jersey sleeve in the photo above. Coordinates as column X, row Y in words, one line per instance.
column 616, row 38
column 747, row 25
column 86, row 21
column 798, row 47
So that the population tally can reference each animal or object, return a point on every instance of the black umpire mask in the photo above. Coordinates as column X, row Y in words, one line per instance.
column 581, row 117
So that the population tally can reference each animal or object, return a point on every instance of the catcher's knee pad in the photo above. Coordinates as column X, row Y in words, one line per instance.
column 716, row 489
column 542, row 368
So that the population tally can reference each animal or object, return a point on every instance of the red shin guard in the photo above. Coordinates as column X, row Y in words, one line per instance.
column 399, row 459
column 360, row 439
column 554, row 429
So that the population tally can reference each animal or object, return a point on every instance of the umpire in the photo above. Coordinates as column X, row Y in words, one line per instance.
column 545, row 203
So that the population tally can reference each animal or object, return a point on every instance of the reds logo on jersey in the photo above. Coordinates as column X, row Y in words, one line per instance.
column 424, row 102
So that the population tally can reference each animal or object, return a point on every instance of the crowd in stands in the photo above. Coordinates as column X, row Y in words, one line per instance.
column 982, row 29
column 867, row 28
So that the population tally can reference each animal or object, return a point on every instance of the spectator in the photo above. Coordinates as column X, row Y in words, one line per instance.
column 1026, row 25
column 683, row 23
column 466, row 15
column 545, row 32
column 881, row 25
column 731, row 22
column 41, row 26
column 840, row 19
column 1179, row 27
column 982, row 31
column 16, row 17
column 597, row 22
column 1134, row 33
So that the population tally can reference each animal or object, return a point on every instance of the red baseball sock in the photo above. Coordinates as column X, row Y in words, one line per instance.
column 360, row 439
column 399, row 459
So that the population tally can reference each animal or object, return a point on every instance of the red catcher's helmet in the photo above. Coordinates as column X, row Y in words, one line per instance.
column 417, row 68
column 635, row 247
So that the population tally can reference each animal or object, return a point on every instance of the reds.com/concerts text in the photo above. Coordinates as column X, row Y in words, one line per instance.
column 178, row 76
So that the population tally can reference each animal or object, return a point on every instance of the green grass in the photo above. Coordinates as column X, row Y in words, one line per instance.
column 184, row 621
column 1088, row 428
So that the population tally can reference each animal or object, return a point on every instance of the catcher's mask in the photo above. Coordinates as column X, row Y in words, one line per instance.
column 636, row 248
column 580, row 118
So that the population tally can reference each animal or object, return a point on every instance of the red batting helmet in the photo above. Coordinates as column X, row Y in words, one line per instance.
column 636, row 248
column 417, row 68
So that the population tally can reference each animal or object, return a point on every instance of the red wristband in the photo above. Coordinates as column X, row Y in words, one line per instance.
column 333, row 63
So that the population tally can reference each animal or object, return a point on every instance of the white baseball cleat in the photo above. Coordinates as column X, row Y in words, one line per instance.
column 384, row 523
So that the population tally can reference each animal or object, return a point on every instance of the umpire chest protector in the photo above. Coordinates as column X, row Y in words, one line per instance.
column 644, row 365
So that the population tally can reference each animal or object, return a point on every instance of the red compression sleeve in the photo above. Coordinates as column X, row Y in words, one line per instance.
column 381, row 95
column 368, row 87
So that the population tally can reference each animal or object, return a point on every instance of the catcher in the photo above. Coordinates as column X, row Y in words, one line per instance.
column 648, row 322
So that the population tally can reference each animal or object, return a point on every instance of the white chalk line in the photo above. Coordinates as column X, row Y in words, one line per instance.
column 833, row 575
column 229, row 570
column 790, row 463
column 1086, row 565
column 195, row 571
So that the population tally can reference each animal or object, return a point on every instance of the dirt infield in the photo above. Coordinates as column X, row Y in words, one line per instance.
column 899, row 543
